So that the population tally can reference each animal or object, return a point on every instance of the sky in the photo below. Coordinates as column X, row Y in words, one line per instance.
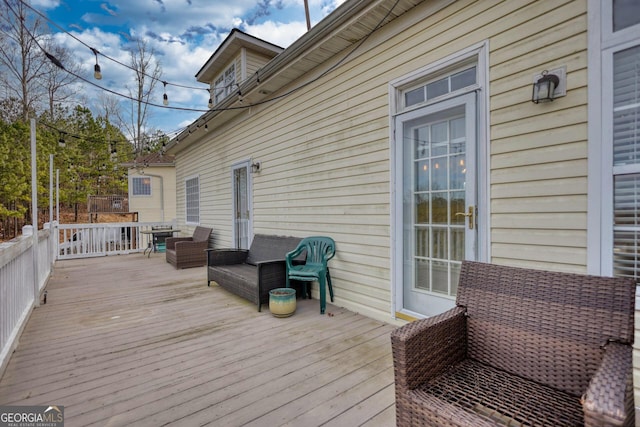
column 183, row 34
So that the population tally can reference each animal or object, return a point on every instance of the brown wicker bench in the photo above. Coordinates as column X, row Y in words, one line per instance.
column 523, row 347
column 186, row 252
column 251, row 273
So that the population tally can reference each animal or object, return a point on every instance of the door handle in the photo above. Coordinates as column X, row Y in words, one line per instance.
column 469, row 215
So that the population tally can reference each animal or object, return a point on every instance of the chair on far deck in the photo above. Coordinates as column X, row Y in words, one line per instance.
column 319, row 250
column 186, row 252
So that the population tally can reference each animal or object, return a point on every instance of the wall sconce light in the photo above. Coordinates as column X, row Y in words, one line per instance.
column 549, row 85
column 255, row 167
column 544, row 88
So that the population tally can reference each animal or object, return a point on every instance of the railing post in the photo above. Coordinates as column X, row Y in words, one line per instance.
column 55, row 241
column 34, row 215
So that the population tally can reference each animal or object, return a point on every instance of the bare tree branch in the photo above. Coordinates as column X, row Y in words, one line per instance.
column 148, row 73
column 20, row 55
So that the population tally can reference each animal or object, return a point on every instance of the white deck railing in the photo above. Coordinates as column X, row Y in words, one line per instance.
column 100, row 239
column 18, row 295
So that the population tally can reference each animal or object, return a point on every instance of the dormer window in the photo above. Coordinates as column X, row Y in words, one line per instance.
column 238, row 58
column 224, row 84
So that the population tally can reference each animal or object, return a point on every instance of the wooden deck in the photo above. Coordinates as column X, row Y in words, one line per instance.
column 127, row 340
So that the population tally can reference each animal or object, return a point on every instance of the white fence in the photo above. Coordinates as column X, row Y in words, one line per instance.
column 18, row 294
column 100, row 239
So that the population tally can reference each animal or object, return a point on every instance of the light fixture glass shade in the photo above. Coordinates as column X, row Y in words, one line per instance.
column 96, row 72
column 165, row 99
column 544, row 88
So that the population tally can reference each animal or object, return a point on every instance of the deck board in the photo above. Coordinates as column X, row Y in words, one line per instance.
column 129, row 340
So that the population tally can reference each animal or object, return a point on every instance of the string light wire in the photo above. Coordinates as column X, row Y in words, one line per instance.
column 55, row 61
column 97, row 52
column 65, row 133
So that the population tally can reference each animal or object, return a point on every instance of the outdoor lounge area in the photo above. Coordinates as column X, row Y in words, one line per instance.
column 129, row 340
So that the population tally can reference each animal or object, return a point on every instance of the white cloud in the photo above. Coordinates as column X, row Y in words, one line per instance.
column 45, row 4
column 278, row 33
column 184, row 34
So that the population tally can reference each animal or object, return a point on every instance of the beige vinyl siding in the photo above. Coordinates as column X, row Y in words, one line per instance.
column 325, row 152
column 255, row 61
column 539, row 152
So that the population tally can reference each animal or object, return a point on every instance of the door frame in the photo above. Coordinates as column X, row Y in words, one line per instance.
column 244, row 164
column 480, row 53
column 436, row 303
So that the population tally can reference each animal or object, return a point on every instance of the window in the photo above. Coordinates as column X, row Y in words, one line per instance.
column 626, row 162
column 626, row 13
column 218, row 90
column 224, row 84
column 192, row 200
column 614, row 139
column 141, row 186
column 229, row 79
column 441, row 86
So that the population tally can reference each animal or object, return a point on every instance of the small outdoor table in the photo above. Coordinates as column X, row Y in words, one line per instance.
column 152, row 244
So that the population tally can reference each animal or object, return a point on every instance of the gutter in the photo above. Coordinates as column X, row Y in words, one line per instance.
column 317, row 35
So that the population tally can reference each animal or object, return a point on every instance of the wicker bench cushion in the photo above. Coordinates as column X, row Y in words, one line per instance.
column 252, row 274
column 478, row 389
column 241, row 279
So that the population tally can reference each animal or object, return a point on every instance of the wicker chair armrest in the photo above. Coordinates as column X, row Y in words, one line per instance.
column 171, row 241
column 425, row 348
column 609, row 398
column 226, row 256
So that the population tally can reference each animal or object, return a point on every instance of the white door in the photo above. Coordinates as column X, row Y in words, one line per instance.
column 241, row 205
column 436, row 202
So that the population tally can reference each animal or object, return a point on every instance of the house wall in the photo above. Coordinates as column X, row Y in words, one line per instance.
column 255, row 61
column 325, row 152
column 149, row 208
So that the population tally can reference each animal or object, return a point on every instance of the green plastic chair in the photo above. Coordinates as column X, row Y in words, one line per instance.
column 319, row 250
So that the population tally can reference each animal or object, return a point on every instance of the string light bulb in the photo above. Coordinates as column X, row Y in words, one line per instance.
column 210, row 105
column 165, row 98
column 97, row 73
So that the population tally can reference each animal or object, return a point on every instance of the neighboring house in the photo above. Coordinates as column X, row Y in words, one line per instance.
column 404, row 129
column 152, row 188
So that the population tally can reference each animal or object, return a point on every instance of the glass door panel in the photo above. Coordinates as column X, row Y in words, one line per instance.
column 438, row 201
column 241, row 213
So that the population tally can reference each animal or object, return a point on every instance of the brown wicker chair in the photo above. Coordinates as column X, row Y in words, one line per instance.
column 523, row 347
column 186, row 252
